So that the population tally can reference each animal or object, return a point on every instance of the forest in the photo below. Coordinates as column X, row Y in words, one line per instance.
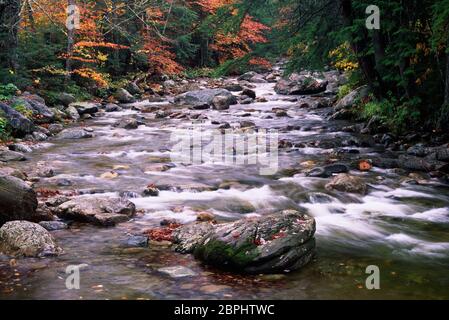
column 224, row 149
column 405, row 62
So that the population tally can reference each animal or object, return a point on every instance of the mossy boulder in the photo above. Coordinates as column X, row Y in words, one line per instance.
column 270, row 244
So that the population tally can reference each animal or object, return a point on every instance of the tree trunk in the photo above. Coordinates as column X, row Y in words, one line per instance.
column 9, row 26
column 70, row 44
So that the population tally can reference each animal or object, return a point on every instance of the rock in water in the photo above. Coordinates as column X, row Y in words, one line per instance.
column 17, row 200
column 221, row 102
column 86, row 107
column 8, row 155
column 347, row 183
column 74, row 134
column 300, row 85
column 274, row 243
column 204, row 97
column 66, row 98
column 23, row 238
column 189, row 236
column 123, row 96
column 99, row 210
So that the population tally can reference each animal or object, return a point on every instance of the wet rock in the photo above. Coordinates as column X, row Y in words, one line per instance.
column 246, row 100
column 55, row 128
column 234, row 87
column 189, row 236
column 99, row 210
column 352, row 98
column 247, row 124
column 281, row 113
column 421, row 164
column 418, row 150
column 347, row 183
column 8, row 155
column 128, row 123
column 300, row 85
column 327, row 171
column 222, row 102
column 249, row 93
column 123, row 96
column 7, row 171
column 214, row 288
column 53, row 225
column 261, row 99
column 270, row 244
column 225, row 126
column 39, row 136
column 178, row 272
column 247, row 76
column 151, row 191
column 86, row 107
column 19, row 124
column 205, row 217
column 112, row 107
column 23, row 238
column 66, row 99
column 258, row 78
column 137, row 241
column 20, row 147
column 18, row 201
column 72, row 113
column 69, row 134
column 109, row 175
column 200, row 98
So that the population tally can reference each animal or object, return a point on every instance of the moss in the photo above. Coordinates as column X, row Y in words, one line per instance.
column 220, row 253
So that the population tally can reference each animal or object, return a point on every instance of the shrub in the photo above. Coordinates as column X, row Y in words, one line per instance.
column 21, row 108
column 7, row 91
column 4, row 133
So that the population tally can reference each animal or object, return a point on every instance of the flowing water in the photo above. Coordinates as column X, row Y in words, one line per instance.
column 401, row 227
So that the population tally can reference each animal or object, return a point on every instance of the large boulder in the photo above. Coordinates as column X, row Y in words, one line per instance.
column 34, row 103
column 17, row 200
column 23, row 238
column 204, row 97
column 99, row 210
column 189, row 236
column 123, row 96
column 19, row 124
column 300, row 85
column 275, row 243
column 347, row 183
column 248, row 76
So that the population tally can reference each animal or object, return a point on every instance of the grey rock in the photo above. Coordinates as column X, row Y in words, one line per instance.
column 112, row 107
column 68, row 134
column 352, row 98
column 66, row 99
column 53, row 225
column 18, row 200
column 137, row 241
column 203, row 97
column 23, row 238
column 189, row 236
column 270, row 244
column 8, row 155
column 19, row 124
column 347, row 183
column 327, row 171
column 128, row 123
column 123, row 96
column 249, row 93
column 221, row 102
column 55, row 128
column 72, row 113
column 99, row 210
column 301, row 85
column 19, row 147
column 86, row 107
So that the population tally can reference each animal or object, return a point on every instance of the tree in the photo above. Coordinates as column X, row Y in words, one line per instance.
column 9, row 24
